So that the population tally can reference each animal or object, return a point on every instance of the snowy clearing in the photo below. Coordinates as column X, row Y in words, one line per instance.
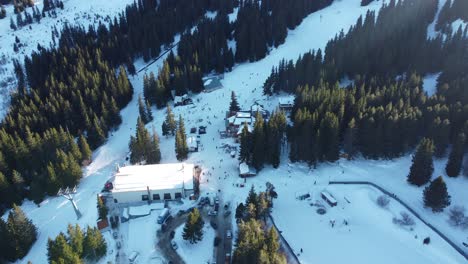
column 202, row 252
column 362, row 231
column 430, row 83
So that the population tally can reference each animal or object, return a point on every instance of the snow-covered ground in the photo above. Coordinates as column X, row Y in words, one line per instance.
column 76, row 12
column 459, row 23
column 139, row 235
column 201, row 252
column 362, row 231
column 220, row 170
column 430, row 83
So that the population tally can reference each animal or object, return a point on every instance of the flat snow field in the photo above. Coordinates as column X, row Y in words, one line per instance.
column 220, row 171
column 369, row 236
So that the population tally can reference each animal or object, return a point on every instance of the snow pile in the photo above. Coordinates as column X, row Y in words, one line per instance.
column 202, row 252
column 145, row 209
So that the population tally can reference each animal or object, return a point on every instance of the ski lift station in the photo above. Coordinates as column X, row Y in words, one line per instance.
column 158, row 182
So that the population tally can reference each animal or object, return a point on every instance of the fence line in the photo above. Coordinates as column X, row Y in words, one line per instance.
column 450, row 242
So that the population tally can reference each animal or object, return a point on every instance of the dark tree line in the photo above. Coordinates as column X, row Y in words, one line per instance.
column 2, row 12
column 76, row 246
column 143, row 146
column 264, row 24
column 385, row 112
column 259, row 26
column 366, row 2
column 263, row 144
column 255, row 243
column 71, row 90
column 451, row 11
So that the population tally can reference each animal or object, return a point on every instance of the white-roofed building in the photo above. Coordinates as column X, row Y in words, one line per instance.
column 286, row 103
column 237, row 121
column 158, row 182
column 246, row 171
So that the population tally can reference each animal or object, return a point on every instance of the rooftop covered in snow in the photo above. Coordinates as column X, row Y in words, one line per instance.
column 154, row 177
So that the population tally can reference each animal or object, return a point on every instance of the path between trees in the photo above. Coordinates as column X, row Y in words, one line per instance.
column 157, row 58
column 450, row 242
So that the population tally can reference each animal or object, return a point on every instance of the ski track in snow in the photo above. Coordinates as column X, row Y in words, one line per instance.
column 294, row 218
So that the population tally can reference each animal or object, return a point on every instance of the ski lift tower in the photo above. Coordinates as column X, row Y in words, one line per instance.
column 68, row 194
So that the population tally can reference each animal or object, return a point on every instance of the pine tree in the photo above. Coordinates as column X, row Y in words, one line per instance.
column 85, row 149
column 6, row 192
column 12, row 24
column 193, row 229
column 245, row 145
column 455, row 160
column 154, row 155
column 349, row 145
column 252, row 197
column 140, row 145
column 53, row 183
column 240, row 211
column 170, row 123
column 96, row 136
column 142, row 109
column 234, row 105
column 94, row 245
column 102, row 208
column 181, row 141
column 436, row 195
column 59, row 251
column 422, row 165
column 329, row 140
column 258, row 143
column 22, row 232
column 2, row 12
column 75, row 238
column 149, row 114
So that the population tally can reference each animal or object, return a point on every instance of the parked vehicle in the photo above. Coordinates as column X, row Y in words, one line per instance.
column 216, row 242
column 115, row 235
column 227, row 213
column 213, row 224
column 119, row 245
column 193, row 130
column 201, row 130
column 213, row 213
column 172, row 234
column 133, row 256
column 174, row 245
column 163, row 216
column 229, row 234
column 181, row 212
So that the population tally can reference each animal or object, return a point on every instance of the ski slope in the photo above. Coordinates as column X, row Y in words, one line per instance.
column 220, row 170
column 75, row 12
